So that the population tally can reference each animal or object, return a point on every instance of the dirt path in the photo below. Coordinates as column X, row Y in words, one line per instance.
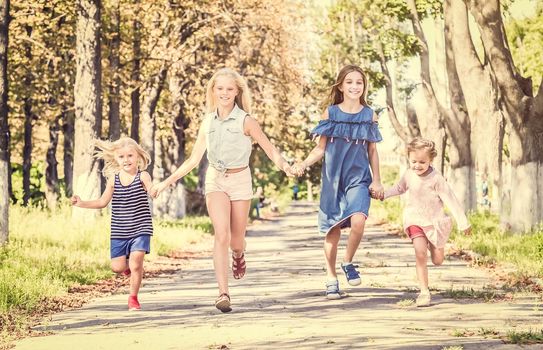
column 280, row 303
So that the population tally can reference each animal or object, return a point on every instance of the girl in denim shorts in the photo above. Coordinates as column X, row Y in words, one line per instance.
column 131, row 222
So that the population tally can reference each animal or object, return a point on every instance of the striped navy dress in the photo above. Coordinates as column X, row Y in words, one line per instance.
column 130, row 211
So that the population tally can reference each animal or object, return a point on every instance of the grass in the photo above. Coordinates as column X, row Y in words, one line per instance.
column 405, row 303
column 486, row 295
column 524, row 337
column 523, row 251
column 49, row 252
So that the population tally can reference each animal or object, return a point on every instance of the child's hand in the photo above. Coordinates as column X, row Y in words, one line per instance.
column 298, row 169
column 288, row 170
column 156, row 189
column 377, row 190
column 467, row 231
column 75, row 200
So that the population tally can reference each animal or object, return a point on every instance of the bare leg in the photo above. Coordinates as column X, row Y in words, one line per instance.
column 437, row 254
column 330, row 251
column 421, row 252
column 218, row 207
column 238, row 220
column 136, row 267
column 358, row 221
column 119, row 264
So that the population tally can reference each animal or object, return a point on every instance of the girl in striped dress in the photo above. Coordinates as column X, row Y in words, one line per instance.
column 131, row 223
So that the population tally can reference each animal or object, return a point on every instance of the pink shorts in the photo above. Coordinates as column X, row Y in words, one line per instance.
column 415, row 231
column 237, row 186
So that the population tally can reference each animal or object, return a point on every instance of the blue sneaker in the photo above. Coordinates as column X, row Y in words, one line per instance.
column 332, row 290
column 353, row 276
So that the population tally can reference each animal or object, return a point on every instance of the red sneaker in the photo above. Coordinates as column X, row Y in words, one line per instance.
column 127, row 272
column 133, row 303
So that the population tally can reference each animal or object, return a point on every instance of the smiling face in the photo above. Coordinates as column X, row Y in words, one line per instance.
column 419, row 161
column 127, row 158
column 225, row 91
column 352, row 86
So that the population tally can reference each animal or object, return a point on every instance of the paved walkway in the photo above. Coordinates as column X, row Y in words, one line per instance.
column 280, row 303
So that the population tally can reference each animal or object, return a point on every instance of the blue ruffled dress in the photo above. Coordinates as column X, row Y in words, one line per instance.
column 346, row 173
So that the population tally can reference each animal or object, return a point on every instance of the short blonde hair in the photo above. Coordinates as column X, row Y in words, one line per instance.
column 106, row 151
column 243, row 98
column 419, row 143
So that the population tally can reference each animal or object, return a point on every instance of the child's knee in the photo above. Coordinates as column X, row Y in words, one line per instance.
column 421, row 255
column 117, row 268
column 357, row 223
column 437, row 260
column 222, row 238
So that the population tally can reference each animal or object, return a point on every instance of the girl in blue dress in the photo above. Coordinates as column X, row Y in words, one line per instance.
column 348, row 134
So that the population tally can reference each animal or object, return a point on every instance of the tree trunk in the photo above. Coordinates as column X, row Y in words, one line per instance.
column 487, row 123
column 68, row 144
column 88, row 106
column 115, row 82
column 400, row 130
column 148, row 124
column 432, row 125
column 462, row 173
column 29, row 118
column 171, row 204
column 51, row 172
column 524, row 114
column 135, row 94
column 4, row 126
column 202, row 169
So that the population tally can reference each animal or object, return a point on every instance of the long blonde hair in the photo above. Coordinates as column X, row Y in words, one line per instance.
column 418, row 143
column 243, row 98
column 106, row 150
column 336, row 96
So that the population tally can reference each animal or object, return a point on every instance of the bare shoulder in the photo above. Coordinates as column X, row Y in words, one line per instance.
column 111, row 182
column 145, row 176
column 250, row 124
column 249, row 120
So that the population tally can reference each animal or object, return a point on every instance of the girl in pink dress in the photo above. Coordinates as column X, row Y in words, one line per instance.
column 424, row 219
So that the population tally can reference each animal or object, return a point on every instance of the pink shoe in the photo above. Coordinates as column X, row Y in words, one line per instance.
column 133, row 303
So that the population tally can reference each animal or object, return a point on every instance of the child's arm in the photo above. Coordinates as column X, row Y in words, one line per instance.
column 446, row 194
column 146, row 180
column 100, row 203
column 398, row 189
column 376, row 188
column 190, row 163
column 316, row 153
column 255, row 131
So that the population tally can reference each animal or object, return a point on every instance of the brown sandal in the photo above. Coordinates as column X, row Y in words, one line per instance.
column 223, row 303
column 238, row 266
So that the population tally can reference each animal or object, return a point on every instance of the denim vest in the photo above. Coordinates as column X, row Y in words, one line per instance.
column 227, row 145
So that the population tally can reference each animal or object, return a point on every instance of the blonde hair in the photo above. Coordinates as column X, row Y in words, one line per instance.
column 243, row 98
column 418, row 143
column 336, row 96
column 106, row 151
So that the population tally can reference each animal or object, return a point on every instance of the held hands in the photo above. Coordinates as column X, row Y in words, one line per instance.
column 288, row 170
column 298, row 169
column 377, row 191
column 156, row 189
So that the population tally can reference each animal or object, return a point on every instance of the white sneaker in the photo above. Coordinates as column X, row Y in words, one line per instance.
column 424, row 299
